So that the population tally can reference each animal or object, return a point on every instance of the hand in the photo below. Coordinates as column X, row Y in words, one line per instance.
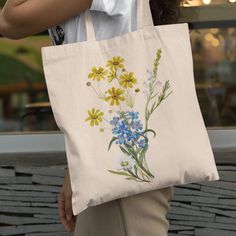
column 65, row 204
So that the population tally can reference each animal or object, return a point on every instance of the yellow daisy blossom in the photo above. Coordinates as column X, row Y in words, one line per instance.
column 97, row 73
column 115, row 96
column 95, row 116
column 116, row 62
column 111, row 75
column 128, row 80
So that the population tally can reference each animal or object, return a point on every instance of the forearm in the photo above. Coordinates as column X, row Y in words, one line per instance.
column 6, row 26
column 29, row 17
column 10, row 27
column 18, row 2
column 2, row 23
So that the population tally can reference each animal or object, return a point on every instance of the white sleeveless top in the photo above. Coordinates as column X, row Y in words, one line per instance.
column 110, row 18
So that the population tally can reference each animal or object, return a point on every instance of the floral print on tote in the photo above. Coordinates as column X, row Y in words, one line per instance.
column 128, row 132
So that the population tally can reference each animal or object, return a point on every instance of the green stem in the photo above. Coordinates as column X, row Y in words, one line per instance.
column 136, row 176
column 134, row 156
column 140, row 165
column 146, row 113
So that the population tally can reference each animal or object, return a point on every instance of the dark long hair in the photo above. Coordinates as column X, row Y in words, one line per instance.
column 165, row 11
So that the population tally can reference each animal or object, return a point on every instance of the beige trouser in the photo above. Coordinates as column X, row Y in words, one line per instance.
column 139, row 215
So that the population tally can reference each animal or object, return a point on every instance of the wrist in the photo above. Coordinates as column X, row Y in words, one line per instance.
column 67, row 169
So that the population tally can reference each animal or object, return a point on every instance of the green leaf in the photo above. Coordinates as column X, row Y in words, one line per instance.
column 124, row 150
column 119, row 172
column 142, row 155
column 133, row 178
column 139, row 150
column 131, row 173
column 112, row 140
column 153, row 106
column 129, row 178
column 130, row 149
column 136, row 169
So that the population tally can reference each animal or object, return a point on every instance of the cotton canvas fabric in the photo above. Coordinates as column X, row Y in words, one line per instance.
column 141, row 214
column 129, row 111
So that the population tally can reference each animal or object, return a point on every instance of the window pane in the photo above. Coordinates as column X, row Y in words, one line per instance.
column 24, row 100
column 214, row 54
column 192, row 3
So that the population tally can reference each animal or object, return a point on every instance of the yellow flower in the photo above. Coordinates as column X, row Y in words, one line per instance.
column 128, row 80
column 97, row 73
column 116, row 62
column 115, row 96
column 95, row 116
column 111, row 75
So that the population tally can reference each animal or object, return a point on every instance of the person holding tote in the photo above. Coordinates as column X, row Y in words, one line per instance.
column 138, row 215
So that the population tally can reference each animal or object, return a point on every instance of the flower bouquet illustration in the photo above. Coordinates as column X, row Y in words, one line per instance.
column 128, row 132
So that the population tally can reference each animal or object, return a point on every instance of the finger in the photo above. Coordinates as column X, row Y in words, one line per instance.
column 68, row 211
column 61, row 205
column 62, row 214
column 62, row 211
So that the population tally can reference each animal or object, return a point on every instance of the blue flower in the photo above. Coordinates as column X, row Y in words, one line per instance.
column 133, row 115
column 142, row 143
column 115, row 121
column 122, row 132
column 120, row 140
column 137, row 125
column 127, row 128
column 135, row 135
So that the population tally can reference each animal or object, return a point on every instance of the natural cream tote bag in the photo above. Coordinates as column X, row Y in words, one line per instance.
column 129, row 112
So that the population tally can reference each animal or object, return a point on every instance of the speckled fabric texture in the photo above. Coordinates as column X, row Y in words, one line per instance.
column 129, row 111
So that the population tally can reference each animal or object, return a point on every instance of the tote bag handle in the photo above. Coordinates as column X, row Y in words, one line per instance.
column 144, row 18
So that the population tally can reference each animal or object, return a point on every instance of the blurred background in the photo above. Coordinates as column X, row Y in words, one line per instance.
column 24, row 103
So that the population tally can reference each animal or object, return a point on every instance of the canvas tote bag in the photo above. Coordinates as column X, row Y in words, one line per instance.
column 128, row 109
